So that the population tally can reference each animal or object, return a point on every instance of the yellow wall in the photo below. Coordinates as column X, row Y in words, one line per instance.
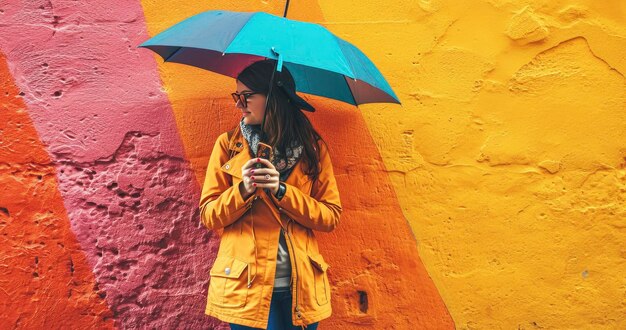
column 508, row 155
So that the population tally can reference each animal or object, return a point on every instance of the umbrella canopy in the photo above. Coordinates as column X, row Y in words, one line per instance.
column 321, row 63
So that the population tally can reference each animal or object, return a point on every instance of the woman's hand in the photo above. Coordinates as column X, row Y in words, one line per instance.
column 254, row 177
column 246, row 187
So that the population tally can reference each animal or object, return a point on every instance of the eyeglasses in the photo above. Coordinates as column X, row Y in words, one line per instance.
column 243, row 98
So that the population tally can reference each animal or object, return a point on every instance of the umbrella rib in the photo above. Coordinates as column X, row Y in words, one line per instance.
column 354, row 74
column 174, row 53
column 336, row 40
column 238, row 32
column 350, row 90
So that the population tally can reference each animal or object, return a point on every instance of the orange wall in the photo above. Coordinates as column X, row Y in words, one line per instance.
column 385, row 263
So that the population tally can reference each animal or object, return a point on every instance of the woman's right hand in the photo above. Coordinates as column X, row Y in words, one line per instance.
column 247, row 186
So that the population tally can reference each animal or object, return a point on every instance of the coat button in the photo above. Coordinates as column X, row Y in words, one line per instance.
column 227, row 166
column 227, row 271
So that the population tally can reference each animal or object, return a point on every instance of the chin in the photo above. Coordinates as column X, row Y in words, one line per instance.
column 248, row 121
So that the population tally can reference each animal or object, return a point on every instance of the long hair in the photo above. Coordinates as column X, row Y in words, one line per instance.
column 285, row 123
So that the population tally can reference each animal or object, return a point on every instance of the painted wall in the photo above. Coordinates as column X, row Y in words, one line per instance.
column 493, row 198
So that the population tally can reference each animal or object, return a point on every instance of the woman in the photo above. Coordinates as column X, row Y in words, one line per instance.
column 269, row 272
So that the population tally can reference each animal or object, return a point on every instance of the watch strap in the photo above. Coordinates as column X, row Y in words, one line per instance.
column 281, row 191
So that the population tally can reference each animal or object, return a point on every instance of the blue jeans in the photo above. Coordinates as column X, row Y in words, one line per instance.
column 280, row 314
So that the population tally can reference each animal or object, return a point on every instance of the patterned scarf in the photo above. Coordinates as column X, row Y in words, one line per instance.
column 252, row 134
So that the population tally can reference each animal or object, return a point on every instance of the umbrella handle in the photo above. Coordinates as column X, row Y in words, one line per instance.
column 279, row 65
column 269, row 92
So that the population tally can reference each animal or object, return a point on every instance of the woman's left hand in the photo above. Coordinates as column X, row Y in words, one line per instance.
column 267, row 177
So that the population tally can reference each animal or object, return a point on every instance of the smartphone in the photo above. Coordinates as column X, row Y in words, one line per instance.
column 263, row 151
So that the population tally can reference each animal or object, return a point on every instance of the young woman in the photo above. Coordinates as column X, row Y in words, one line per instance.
column 269, row 273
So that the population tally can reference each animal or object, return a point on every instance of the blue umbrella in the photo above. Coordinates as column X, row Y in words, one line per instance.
column 321, row 63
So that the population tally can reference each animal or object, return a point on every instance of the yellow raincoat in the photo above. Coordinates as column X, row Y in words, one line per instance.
column 242, row 276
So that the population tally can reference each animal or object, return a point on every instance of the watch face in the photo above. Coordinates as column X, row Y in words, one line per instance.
column 281, row 190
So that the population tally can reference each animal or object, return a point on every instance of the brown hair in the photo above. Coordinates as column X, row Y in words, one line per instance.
column 285, row 123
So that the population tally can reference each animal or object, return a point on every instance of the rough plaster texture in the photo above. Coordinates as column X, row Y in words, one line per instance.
column 45, row 278
column 130, row 199
column 133, row 214
column 508, row 155
column 506, row 158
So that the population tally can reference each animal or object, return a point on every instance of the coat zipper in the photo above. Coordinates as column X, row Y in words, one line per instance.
column 254, row 241
column 292, row 256
column 294, row 261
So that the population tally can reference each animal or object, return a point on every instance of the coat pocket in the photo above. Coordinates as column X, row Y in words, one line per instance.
column 228, row 287
column 322, row 287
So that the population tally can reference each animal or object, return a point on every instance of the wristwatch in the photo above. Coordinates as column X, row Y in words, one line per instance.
column 282, row 188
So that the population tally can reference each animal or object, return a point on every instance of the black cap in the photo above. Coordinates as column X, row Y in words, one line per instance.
column 257, row 76
column 288, row 86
